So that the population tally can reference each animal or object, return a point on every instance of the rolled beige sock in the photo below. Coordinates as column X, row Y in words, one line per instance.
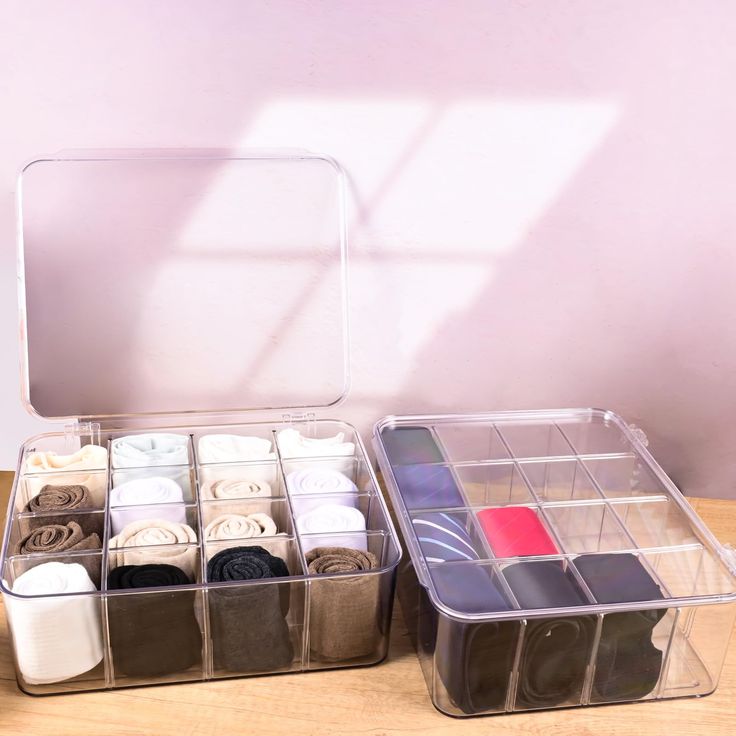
column 227, row 488
column 150, row 533
column 240, row 526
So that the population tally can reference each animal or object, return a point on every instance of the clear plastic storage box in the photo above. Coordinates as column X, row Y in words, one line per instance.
column 551, row 563
column 184, row 313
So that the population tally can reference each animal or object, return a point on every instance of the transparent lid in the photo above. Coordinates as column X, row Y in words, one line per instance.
column 162, row 282
column 528, row 514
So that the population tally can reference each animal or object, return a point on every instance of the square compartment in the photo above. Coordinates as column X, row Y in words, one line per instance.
column 559, row 480
column 169, row 452
column 585, row 528
column 276, row 508
column 624, row 477
column 90, row 522
column 239, row 475
column 449, row 536
column 347, row 612
column 315, row 472
column 45, row 661
column 656, row 523
column 156, row 634
column 493, row 485
column 31, row 485
column 599, row 435
column 534, row 439
column 182, row 475
column 463, row 441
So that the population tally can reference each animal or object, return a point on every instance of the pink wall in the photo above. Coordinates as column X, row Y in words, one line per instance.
column 542, row 192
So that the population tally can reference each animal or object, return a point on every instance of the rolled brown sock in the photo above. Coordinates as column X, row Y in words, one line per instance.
column 53, row 499
column 60, row 498
column 56, row 538
column 344, row 612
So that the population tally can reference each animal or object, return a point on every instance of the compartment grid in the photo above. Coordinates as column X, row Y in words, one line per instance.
column 378, row 527
column 540, row 504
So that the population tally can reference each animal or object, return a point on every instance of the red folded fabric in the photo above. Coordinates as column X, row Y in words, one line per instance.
column 516, row 531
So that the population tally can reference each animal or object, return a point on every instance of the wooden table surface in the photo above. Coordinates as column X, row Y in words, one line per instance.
column 390, row 698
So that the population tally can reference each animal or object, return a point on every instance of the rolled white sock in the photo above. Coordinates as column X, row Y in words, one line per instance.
column 56, row 637
column 312, row 481
column 150, row 498
column 344, row 525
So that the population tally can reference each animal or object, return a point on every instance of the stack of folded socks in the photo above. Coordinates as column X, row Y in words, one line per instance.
column 344, row 612
column 248, row 622
column 146, row 450
column 152, row 634
column 232, row 448
column 56, row 636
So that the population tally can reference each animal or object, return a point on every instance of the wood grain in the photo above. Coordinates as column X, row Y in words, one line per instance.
column 390, row 698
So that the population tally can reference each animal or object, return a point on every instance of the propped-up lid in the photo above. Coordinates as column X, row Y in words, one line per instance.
column 170, row 282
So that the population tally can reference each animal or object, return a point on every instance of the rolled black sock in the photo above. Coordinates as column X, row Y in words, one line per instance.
column 628, row 664
column 556, row 650
column 153, row 633
column 248, row 622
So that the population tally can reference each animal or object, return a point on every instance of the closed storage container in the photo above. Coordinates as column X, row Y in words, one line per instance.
column 551, row 563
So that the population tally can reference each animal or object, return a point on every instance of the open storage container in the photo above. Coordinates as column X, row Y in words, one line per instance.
column 551, row 563
column 184, row 313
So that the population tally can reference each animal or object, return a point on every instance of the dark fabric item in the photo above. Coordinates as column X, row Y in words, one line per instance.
column 474, row 661
column 427, row 487
column 344, row 613
column 443, row 537
column 154, row 633
column 248, row 622
column 410, row 446
column 555, row 652
column 421, row 486
column 628, row 664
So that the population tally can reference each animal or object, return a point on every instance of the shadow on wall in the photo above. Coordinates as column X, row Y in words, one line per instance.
column 543, row 214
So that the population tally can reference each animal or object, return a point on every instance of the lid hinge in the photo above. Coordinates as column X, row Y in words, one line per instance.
column 87, row 432
column 305, row 418
column 728, row 555
column 639, row 434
